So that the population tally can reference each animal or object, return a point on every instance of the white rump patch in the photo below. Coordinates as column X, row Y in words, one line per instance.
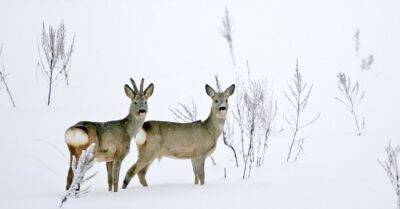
column 140, row 137
column 76, row 137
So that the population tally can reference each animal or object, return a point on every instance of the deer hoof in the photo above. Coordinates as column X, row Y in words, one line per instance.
column 124, row 185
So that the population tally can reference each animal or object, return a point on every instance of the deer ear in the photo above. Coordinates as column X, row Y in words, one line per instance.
column 149, row 91
column 210, row 91
column 229, row 91
column 129, row 92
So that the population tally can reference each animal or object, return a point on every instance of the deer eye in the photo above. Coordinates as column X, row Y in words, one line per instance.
column 135, row 103
column 226, row 100
column 216, row 101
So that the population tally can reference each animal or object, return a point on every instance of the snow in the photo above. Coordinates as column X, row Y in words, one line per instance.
column 177, row 46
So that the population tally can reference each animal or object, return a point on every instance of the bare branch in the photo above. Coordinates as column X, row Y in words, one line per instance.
column 185, row 113
column 227, row 32
column 3, row 75
column 391, row 167
column 54, row 60
column 80, row 168
column 356, row 40
column 301, row 93
column 217, row 82
column 311, row 121
column 352, row 98
column 227, row 136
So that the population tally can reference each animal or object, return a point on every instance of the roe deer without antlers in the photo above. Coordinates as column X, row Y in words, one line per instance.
column 112, row 138
column 195, row 141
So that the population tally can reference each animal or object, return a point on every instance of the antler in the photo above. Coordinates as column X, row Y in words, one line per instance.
column 134, row 86
column 141, row 85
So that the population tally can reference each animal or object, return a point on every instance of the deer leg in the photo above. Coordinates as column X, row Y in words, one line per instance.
column 142, row 176
column 200, row 169
column 69, row 178
column 77, row 156
column 196, row 179
column 115, row 173
column 109, row 175
column 138, row 166
column 128, row 176
column 70, row 175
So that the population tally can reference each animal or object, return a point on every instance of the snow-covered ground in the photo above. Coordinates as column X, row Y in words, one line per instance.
column 177, row 45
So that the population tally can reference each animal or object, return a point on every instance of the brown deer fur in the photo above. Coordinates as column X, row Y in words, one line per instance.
column 195, row 141
column 112, row 138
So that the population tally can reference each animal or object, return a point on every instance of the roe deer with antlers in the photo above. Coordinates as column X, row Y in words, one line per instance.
column 195, row 141
column 112, row 138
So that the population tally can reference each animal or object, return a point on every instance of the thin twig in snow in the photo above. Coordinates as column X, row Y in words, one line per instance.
column 297, row 96
column 352, row 97
column 3, row 81
column 227, row 32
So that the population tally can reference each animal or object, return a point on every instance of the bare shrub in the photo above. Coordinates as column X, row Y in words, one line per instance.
column 352, row 96
column 80, row 168
column 298, row 95
column 391, row 167
column 267, row 117
column 54, row 58
column 227, row 32
column 254, row 112
column 3, row 82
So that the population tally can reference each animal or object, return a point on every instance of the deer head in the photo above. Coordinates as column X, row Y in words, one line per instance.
column 139, row 98
column 220, row 100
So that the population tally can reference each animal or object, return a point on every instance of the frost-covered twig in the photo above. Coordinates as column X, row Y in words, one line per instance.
column 267, row 118
column 352, row 97
column 54, row 58
column 254, row 114
column 367, row 62
column 185, row 113
column 227, row 32
column 79, row 169
column 227, row 137
column 3, row 76
column 227, row 133
column 297, row 96
column 356, row 39
column 391, row 167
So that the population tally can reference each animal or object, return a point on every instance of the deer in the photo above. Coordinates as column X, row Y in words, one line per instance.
column 195, row 141
column 112, row 139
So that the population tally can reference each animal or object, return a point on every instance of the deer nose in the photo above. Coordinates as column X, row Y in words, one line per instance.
column 142, row 111
column 222, row 108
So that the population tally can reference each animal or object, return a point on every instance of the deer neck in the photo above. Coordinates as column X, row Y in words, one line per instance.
column 133, row 124
column 215, row 124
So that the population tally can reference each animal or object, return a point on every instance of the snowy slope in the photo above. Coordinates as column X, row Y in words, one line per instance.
column 177, row 45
